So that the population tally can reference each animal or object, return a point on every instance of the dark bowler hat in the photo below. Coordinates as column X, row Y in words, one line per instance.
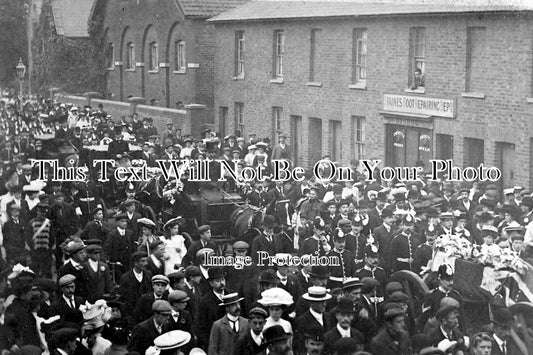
column 215, row 273
column 274, row 334
column 345, row 306
column 444, row 310
column 369, row 284
column 503, row 316
column 268, row 276
column 315, row 332
column 192, row 270
column 121, row 216
column 94, row 249
column 269, row 221
column 319, row 271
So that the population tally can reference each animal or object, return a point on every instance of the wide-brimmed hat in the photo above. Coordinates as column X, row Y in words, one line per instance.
column 172, row 340
column 316, row 294
column 231, row 298
column 352, row 282
column 172, row 222
column 146, row 223
column 275, row 296
column 319, row 271
column 345, row 306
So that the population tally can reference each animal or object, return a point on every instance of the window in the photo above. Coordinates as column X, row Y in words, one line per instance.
column 279, row 52
column 239, row 54
column 239, row 118
column 476, row 49
column 130, row 64
column 473, row 152
column 444, row 147
column 276, row 121
column 181, row 62
column 315, row 33
column 358, row 137
column 359, row 56
column 417, row 58
column 110, row 56
column 154, row 60
column 222, row 119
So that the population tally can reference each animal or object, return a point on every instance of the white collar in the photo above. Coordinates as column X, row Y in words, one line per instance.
column 175, row 314
column 130, row 215
column 345, row 333
column 258, row 339
column 61, row 351
column 74, row 263
column 232, row 318
column 93, row 264
column 498, row 340
column 204, row 272
column 69, row 299
column 282, row 278
column 155, row 260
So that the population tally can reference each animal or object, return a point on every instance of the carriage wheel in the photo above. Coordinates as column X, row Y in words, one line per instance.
column 413, row 286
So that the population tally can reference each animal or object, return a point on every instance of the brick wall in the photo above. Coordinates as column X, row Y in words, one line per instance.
column 503, row 115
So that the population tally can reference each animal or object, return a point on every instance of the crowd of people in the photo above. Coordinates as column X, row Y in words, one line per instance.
column 114, row 280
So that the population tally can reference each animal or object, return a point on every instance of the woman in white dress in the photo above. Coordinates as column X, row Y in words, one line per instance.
column 175, row 248
column 276, row 300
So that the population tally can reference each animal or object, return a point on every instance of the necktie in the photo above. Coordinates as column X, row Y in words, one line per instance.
column 72, row 304
column 504, row 348
column 234, row 325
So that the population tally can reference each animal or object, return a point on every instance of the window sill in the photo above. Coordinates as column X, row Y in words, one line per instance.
column 314, row 83
column 416, row 91
column 237, row 78
column 276, row 81
column 473, row 95
column 153, row 71
column 358, row 86
column 529, row 100
column 111, row 69
column 179, row 72
column 130, row 69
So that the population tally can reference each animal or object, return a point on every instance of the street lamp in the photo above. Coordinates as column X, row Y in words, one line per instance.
column 21, row 71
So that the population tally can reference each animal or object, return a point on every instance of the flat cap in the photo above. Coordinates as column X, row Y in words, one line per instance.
column 66, row 280
column 178, row 296
column 203, row 228
column 240, row 245
column 160, row 279
column 161, row 306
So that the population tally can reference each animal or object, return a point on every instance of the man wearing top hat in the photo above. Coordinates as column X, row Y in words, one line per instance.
column 209, row 305
column 268, row 241
column 345, row 313
column 226, row 330
column 146, row 332
column 99, row 280
column 119, row 245
column 317, row 297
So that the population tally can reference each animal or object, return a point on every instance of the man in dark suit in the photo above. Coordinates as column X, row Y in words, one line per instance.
column 315, row 316
column 97, row 228
column 345, row 313
column 269, row 242
column 68, row 305
column 119, row 245
column 204, row 233
column 145, row 332
column 13, row 232
column 74, row 266
column 133, row 216
column 448, row 318
column 147, row 156
column 99, row 281
column 383, row 233
column 180, row 318
column 503, row 343
column 226, row 330
column 118, row 146
column 65, row 340
column 193, row 276
column 136, row 281
column 156, row 264
column 392, row 339
column 209, row 306
column 143, row 306
column 252, row 343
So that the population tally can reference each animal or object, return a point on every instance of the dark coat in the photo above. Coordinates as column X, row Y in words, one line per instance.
column 143, row 308
column 99, row 282
column 94, row 230
column 143, row 336
column 184, row 323
column 301, row 326
column 82, row 277
column 62, row 309
column 435, row 336
column 222, row 338
column 21, row 324
column 154, row 269
column 247, row 346
column 384, row 344
column 194, row 302
column 14, row 241
column 119, row 249
column 131, row 289
column 332, row 335
column 209, row 312
column 260, row 243
column 190, row 257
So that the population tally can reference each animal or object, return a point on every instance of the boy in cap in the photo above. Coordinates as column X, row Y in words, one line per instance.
column 159, row 292
column 146, row 332
column 180, row 319
column 193, row 276
column 74, row 266
column 226, row 330
column 204, row 241
column 253, row 342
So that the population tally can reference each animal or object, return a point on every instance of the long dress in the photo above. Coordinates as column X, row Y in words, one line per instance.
column 172, row 255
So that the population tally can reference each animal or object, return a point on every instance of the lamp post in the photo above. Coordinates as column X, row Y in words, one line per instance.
column 21, row 71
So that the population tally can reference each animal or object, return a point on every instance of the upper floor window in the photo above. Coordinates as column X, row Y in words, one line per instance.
column 239, row 54
column 417, row 58
column 279, row 52
column 154, row 57
column 130, row 63
column 239, row 117
column 359, row 56
column 180, row 60
column 110, row 56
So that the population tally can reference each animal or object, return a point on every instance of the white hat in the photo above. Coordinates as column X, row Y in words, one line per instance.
column 316, row 293
column 275, row 297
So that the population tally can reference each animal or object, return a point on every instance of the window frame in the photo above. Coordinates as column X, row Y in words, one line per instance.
column 111, row 59
column 153, row 63
column 279, row 53
column 240, row 54
column 360, row 55
column 417, row 54
column 130, row 56
column 238, row 109
column 277, row 114
column 358, row 137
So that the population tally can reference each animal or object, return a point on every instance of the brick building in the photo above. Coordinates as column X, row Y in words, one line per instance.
column 341, row 79
column 161, row 50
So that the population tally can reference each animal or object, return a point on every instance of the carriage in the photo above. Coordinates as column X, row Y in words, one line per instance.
column 49, row 147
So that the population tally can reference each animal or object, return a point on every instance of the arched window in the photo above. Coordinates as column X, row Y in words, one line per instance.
column 130, row 64
column 180, row 59
column 154, row 57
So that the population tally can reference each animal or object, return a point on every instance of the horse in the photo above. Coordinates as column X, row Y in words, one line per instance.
column 247, row 221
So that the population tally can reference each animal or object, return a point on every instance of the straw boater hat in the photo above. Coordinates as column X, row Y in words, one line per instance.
column 230, row 299
column 316, row 294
